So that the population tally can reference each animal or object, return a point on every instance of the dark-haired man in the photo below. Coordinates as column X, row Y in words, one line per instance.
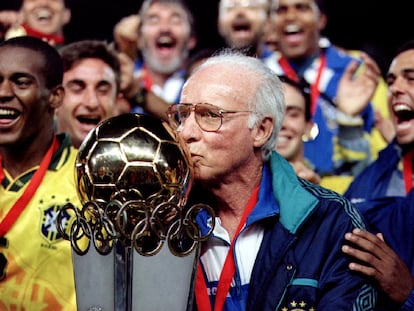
column 91, row 79
column 36, row 174
column 384, row 193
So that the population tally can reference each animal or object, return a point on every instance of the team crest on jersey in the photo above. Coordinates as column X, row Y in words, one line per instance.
column 48, row 222
column 298, row 306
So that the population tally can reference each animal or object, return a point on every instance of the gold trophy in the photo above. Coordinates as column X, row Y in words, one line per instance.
column 135, row 242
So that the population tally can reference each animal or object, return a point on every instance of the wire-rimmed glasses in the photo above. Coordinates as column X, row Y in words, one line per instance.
column 208, row 117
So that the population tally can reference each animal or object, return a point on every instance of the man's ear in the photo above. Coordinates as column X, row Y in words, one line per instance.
column 56, row 96
column 67, row 15
column 192, row 43
column 262, row 131
column 323, row 20
column 140, row 42
column 20, row 17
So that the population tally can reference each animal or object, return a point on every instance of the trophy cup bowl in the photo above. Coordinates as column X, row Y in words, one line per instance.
column 132, row 157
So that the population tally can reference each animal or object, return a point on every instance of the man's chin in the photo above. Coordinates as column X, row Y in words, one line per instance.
column 164, row 66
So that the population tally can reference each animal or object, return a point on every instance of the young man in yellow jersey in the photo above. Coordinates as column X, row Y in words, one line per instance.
column 37, row 178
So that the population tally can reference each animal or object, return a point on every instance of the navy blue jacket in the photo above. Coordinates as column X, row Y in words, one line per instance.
column 380, row 179
column 300, row 264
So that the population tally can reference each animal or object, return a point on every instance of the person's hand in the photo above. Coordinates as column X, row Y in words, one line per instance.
column 8, row 19
column 306, row 173
column 127, row 71
column 384, row 126
column 131, row 83
column 377, row 260
column 126, row 35
column 356, row 89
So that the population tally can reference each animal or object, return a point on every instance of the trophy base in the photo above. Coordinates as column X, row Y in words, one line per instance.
column 124, row 280
column 164, row 281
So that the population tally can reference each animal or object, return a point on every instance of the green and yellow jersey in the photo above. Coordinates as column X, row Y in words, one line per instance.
column 36, row 270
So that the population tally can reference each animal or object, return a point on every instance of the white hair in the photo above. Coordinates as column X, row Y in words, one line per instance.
column 268, row 99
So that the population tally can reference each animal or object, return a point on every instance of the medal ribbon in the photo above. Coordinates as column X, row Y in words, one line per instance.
column 227, row 273
column 408, row 170
column 314, row 90
column 1, row 170
column 49, row 38
column 147, row 81
column 28, row 193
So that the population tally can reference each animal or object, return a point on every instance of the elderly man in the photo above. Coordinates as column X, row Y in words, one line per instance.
column 277, row 240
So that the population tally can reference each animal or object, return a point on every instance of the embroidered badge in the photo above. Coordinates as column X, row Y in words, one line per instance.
column 48, row 222
column 298, row 306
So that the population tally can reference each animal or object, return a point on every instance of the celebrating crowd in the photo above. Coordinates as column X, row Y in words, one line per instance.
column 304, row 150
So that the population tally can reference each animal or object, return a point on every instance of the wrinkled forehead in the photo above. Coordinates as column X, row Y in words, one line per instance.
column 14, row 59
column 243, row 3
column 219, row 83
column 165, row 7
column 62, row 3
column 403, row 61
column 23, row 56
column 275, row 3
column 171, row 11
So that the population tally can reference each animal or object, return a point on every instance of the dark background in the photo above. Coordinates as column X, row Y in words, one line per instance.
column 374, row 26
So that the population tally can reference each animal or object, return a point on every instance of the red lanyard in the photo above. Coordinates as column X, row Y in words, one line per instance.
column 227, row 273
column 314, row 88
column 1, row 170
column 28, row 193
column 408, row 170
column 147, row 81
column 51, row 39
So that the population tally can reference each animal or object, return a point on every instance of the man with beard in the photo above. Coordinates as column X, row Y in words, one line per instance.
column 165, row 39
column 43, row 19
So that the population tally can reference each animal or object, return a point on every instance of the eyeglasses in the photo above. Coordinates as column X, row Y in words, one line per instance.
column 208, row 117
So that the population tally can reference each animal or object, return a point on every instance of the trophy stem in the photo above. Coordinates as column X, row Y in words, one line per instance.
column 129, row 277
column 123, row 277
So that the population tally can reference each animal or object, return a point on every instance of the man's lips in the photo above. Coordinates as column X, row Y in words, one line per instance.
column 293, row 34
column 86, row 123
column 166, row 42
column 8, row 116
column 43, row 15
column 9, row 113
column 242, row 25
column 403, row 112
column 405, row 115
column 89, row 120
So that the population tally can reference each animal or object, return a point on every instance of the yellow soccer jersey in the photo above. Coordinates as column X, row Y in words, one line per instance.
column 36, row 271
